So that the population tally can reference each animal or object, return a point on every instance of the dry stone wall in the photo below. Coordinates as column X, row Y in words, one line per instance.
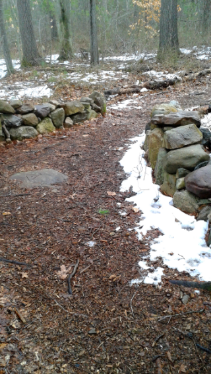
column 178, row 151
column 23, row 121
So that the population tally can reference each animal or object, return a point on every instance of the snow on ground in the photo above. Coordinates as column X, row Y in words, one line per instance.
column 182, row 244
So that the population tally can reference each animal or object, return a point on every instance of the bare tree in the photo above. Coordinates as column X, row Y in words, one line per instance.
column 93, row 34
column 4, row 42
column 66, row 51
column 31, row 55
column 169, row 42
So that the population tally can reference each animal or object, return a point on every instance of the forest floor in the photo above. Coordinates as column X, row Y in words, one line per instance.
column 106, row 325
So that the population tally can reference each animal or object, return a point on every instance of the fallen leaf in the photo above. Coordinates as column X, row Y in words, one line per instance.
column 169, row 356
column 3, row 345
column 62, row 274
column 24, row 275
column 182, row 369
column 136, row 210
column 110, row 193
column 6, row 213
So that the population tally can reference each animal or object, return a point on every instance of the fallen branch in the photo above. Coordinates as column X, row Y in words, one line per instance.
column 14, row 262
column 70, row 277
column 181, row 314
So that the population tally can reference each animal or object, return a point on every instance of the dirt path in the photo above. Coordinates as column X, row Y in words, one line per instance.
column 105, row 326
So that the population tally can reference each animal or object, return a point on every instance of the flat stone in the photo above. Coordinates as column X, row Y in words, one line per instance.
column 180, row 183
column 180, row 118
column 154, row 140
column 187, row 157
column 23, row 132
column 199, row 182
column 39, row 178
column 25, row 108
column 169, row 184
column 15, row 103
column 163, row 109
column 182, row 136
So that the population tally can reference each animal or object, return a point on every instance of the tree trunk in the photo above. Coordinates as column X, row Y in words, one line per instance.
column 30, row 52
column 66, row 51
column 169, row 42
column 206, row 11
column 93, row 34
column 4, row 41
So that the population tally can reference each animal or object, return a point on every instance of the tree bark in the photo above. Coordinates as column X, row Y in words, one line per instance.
column 169, row 42
column 4, row 41
column 206, row 12
column 30, row 52
column 66, row 51
column 93, row 34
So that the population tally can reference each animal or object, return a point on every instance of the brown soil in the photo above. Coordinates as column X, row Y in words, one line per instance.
column 106, row 325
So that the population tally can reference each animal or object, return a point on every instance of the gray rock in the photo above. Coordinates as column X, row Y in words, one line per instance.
column 185, row 299
column 91, row 114
column 182, row 136
column 2, row 137
column 39, row 178
column 55, row 103
column 68, row 122
column 199, row 182
column 87, row 100
column 204, row 213
column 100, row 101
column 181, row 172
column 169, row 184
column 43, row 110
column 6, row 108
column 180, row 183
column 15, row 103
column 12, row 121
column 206, row 141
column 180, row 118
column 23, row 132
column 163, row 109
column 209, row 218
column 25, row 108
column 159, row 171
column 45, row 126
column 58, row 117
column 30, row 119
column 73, row 107
column 154, row 140
column 167, row 128
column 201, row 165
column 187, row 158
column 185, row 201
column 80, row 117
column 87, row 106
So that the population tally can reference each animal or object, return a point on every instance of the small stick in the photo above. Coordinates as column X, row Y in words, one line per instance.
column 70, row 277
column 14, row 262
column 20, row 315
column 181, row 314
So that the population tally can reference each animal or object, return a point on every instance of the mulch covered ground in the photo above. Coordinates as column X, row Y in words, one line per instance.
column 106, row 325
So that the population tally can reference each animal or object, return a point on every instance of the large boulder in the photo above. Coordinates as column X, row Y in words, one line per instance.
column 58, row 117
column 6, row 108
column 79, row 117
column 99, row 101
column 159, row 171
column 199, row 182
column 12, row 121
column 182, row 136
column 185, row 201
column 73, row 107
column 15, row 103
column 45, row 126
column 154, row 140
column 30, row 119
column 180, row 118
column 23, row 132
column 187, row 157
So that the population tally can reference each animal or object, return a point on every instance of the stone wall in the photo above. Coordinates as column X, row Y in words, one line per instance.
column 178, row 151
column 23, row 121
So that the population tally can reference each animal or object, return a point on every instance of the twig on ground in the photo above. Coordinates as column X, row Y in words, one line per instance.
column 70, row 277
column 14, row 262
column 131, row 307
column 181, row 314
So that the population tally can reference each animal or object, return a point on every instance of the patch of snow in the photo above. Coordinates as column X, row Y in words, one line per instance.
column 91, row 243
column 27, row 92
column 126, row 104
column 182, row 244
